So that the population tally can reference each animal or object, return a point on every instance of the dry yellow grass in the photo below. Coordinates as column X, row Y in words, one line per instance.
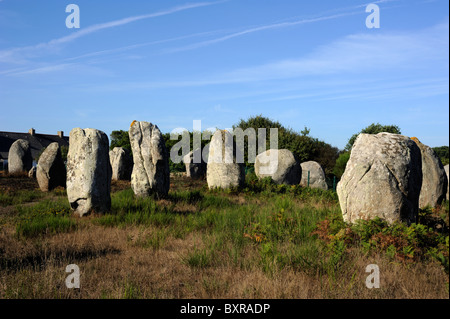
column 112, row 265
column 152, row 262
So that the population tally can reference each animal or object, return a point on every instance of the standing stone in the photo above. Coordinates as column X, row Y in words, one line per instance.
column 195, row 170
column 448, row 178
column 434, row 184
column 88, row 171
column 382, row 179
column 32, row 172
column 19, row 157
column 121, row 163
column 51, row 171
column 316, row 175
column 281, row 165
column 222, row 170
column 151, row 160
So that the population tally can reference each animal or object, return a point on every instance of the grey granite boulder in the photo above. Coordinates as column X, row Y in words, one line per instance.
column 88, row 171
column 51, row 171
column 222, row 169
column 121, row 163
column 316, row 175
column 434, row 185
column 382, row 179
column 281, row 165
column 151, row 173
column 195, row 170
column 19, row 157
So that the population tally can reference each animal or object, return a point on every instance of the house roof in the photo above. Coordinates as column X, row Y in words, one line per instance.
column 37, row 142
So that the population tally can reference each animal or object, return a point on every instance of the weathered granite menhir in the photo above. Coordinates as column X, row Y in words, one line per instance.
column 88, row 171
column 383, row 178
column 19, row 157
column 51, row 171
column 151, row 173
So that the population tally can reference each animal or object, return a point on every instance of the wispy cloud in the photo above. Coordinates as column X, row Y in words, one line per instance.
column 355, row 55
column 324, row 16
column 359, row 53
column 140, row 45
column 257, row 29
column 120, row 22
column 10, row 55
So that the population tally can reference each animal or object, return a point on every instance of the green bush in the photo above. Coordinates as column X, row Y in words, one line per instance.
column 341, row 163
column 305, row 147
column 398, row 241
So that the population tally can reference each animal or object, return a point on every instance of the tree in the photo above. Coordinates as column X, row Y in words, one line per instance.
column 64, row 150
column 443, row 153
column 305, row 147
column 180, row 167
column 120, row 139
column 341, row 163
column 373, row 129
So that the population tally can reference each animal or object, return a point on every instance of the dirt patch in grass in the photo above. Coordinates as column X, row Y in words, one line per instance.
column 117, row 186
column 16, row 182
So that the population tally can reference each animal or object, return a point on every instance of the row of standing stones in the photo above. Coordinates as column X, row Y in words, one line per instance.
column 388, row 175
column 224, row 171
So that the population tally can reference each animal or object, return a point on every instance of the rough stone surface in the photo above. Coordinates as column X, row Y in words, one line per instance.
column 51, row 171
column 151, row 160
column 222, row 171
column 382, row 179
column 32, row 172
column 88, row 171
column 316, row 175
column 195, row 170
column 434, row 184
column 121, row 163
column 448, row 179
column 281, row 165
column 19, row 157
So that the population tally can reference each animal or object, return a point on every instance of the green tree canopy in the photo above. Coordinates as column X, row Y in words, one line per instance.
column 305, row 147
column 120, row 139
column 341, row 163
column 373, row 129
column 443, row 153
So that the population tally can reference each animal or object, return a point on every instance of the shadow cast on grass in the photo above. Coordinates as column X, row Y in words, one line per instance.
column 41, row 258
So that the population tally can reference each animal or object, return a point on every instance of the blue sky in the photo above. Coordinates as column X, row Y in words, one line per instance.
column 303, row 63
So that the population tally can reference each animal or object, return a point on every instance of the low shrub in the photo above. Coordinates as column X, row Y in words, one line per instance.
column 398, row 241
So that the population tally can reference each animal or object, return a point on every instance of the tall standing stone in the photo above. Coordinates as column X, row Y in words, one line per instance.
column 121, row 163
column 448, row 179
column 281, row 165
column 51, row 171
column 222, row 170
column 195, row 170
column 88, row 171
column 19, row 157
column 316, row 175
column 151, row 160
column 434, row 185
column 382, row 179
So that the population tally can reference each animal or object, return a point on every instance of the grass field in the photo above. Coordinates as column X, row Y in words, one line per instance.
column 262, row 241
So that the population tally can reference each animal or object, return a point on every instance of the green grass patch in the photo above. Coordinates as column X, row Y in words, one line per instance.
column 199, row 258
column 44, row 218
column 19, row 197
